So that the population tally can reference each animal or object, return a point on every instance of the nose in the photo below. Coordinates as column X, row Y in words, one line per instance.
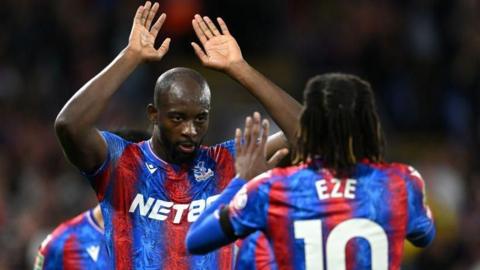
column 189, row 129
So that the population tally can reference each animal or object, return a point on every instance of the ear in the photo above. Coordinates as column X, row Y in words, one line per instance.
column 152, row 113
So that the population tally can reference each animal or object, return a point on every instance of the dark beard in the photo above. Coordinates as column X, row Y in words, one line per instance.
column 174, row 155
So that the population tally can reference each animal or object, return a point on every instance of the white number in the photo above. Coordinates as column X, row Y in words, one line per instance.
column 311, row 233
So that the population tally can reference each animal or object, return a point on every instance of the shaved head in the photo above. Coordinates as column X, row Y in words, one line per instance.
column 180, row 114
column 181, row 83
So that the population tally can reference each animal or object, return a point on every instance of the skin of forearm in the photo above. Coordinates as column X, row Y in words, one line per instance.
column 282, row 107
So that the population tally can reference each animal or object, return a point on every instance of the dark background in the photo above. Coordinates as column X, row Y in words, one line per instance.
column 422, row 58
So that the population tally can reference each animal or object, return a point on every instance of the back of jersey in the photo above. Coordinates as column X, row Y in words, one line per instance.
column 317, row 221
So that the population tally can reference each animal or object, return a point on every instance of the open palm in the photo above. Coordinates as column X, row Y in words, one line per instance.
column 251, row 148
column 143, row 35
column 221, row 48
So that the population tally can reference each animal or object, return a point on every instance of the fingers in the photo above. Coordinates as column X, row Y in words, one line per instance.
column 205, row 29
column 158, row 24
column 252, row 132
column 264, row 138
column 146, row 10
column 198, row 31
column 247, row 130
column 151, row 15
column 145, row 14
column 255, row 132
column 203, row 26
column 238, row 142
column 211, row 26
column 163, row 48
column 138, row 15
column 277, row 157
column 199, row 52
column 223, row 26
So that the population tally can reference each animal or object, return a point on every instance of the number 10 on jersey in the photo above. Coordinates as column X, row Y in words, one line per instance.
column 311, row 233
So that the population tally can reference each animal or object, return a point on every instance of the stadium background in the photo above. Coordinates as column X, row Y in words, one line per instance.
column 421, row 56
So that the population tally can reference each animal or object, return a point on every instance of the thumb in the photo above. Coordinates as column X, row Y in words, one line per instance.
column 163, row 49
column 277, row 157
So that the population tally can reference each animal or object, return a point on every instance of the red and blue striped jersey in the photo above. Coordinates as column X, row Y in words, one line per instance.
column 316, row 221
column 255, row 253
column 76, row 244
column 149, row 204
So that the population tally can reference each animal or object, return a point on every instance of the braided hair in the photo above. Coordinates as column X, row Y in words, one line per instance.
column 339, row 123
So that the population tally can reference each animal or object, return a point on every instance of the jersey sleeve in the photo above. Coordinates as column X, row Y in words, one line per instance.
column 227, row 147
column 420, row 229
column 100, row 178
column 48, row 255
column 248, row 209
column 230, row 146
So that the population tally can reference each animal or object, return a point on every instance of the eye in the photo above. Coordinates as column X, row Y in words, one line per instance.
column 201, row 118
column 176, row 118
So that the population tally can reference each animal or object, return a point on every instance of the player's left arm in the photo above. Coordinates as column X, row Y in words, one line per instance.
column 225, row 220
column 221, row 52
column 421, row 228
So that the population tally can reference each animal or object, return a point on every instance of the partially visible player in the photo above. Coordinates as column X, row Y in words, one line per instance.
column 343, row 207
column 79, row 243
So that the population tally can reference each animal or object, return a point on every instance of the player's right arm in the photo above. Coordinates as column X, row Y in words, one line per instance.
column 75, row 124
column 221, row 52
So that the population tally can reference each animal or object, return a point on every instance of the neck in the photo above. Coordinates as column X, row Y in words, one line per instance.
column 97, row 215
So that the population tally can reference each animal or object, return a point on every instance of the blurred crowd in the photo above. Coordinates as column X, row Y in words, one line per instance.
column 421, row 57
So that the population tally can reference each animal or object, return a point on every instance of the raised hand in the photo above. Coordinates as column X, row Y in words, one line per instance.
column 220, row 49
column 252, row 151
column 143, row 35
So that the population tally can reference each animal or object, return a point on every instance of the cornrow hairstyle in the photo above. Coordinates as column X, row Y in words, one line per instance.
column 339, row 123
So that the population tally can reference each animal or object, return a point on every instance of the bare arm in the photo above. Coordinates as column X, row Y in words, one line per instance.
column 221, row 52
column 75, row 124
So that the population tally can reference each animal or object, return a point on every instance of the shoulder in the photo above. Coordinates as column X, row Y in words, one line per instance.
column 291, row 171
column 279, row 175
column 403, row 171
column 224, row 148
column 69, row 227
column 120, row 147
column 110, row 136
column 414, row 180
column 408, row 172
column 117, row 144
column 220, row 153
column 391, row 167
column 54, row 242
